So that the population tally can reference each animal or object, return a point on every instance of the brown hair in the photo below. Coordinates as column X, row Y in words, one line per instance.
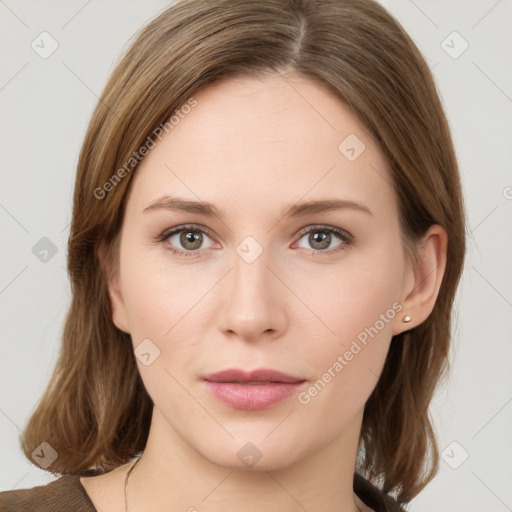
column 96, row 411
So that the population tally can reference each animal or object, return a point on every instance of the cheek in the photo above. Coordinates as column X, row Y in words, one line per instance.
column 157, row 296
column 159, row 304
column 166, row 304
column 356, row 307
column 348, row 297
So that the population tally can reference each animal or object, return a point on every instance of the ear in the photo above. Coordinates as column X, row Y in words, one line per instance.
column 109, row 261
column 423, row 280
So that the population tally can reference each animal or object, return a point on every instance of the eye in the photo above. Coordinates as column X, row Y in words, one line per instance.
column 322, row 239
column 185, row 240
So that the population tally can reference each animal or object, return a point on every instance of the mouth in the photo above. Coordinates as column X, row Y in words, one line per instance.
column 262, row 376
column 259, row 389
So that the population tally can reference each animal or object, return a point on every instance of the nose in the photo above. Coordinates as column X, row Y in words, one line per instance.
column 254, row 300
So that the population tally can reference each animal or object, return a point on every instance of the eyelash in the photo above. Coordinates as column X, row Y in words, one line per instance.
column 343, row 235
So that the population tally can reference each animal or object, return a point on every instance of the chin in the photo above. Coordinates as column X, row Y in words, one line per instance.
column 253, row 453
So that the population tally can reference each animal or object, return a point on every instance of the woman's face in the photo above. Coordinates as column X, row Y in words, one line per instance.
column 264, row 281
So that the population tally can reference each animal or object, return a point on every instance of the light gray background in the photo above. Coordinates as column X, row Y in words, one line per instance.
column 46, row 105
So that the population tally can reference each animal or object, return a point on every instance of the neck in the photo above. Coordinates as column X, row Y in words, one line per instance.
column 171, row 472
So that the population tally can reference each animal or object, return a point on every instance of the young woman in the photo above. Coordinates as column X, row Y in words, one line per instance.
column 267, row 236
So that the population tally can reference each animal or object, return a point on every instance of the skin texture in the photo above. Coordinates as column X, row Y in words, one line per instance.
column 252, row 148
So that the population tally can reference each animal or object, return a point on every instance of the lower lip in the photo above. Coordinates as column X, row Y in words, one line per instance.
column 252, row 397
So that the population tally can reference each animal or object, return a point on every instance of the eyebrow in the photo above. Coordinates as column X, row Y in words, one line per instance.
column 295, row 210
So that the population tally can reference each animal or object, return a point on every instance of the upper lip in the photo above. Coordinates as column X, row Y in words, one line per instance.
column 261, row 375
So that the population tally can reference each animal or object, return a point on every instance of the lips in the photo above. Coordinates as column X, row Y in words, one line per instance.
column 259, row 389
column 261, row 376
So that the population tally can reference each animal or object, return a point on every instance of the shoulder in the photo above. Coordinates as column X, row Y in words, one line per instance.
column 373, row 497
column 64, row 494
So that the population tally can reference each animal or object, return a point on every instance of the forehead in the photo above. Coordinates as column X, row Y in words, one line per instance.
column 279, row 138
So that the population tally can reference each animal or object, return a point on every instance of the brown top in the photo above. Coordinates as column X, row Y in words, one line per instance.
column 68, row 494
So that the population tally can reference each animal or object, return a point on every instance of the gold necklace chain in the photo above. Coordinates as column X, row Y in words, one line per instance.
column 128, row 476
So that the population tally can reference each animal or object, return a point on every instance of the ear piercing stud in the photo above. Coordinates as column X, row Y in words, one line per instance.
column 406, row 319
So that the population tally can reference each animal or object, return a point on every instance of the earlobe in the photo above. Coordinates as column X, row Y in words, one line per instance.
column 423, row 280
column 110, row 267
